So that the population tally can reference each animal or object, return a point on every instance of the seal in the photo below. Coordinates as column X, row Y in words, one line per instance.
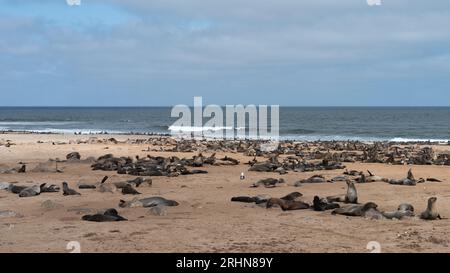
column 51, row 188
column 68, row 191
column 355, row 210
column 287, row 205
column 110, row 215
column 322, row 204
column 259, row 199
column 30, row 191
column 314, row 179
column 408, row 181
column 351, row 196
column 433, row 180
column 431, row 212
column 128, row 189
column 404, row 210
column 16, row 189
column 292, row 196
column 371, row 178
column 105, row 188
column 268, row 183
column 148, row 203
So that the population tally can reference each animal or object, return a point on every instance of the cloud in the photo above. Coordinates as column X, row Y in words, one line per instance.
column 317, row 50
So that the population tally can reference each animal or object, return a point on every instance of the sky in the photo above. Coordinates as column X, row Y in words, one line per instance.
column 165, row 52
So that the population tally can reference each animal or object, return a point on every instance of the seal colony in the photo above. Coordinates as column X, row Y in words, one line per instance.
column 301, row 183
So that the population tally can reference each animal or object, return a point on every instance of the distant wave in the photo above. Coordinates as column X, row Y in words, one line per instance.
column 36, row 123
column 200, row 129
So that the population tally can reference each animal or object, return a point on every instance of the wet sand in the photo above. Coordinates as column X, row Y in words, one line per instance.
column 206, row 220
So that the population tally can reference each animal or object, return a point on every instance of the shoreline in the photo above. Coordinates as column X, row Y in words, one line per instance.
column 283, row 139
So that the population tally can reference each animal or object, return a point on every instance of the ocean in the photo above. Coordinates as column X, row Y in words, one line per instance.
column 300, row 123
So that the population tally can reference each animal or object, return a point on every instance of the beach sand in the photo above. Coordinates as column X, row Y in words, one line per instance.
column 206, row 220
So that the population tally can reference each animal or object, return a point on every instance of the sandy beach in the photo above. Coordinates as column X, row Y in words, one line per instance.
column 206, row 220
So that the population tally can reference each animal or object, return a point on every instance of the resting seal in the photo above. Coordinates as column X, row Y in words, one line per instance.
column 30, row 191
column 68, row 191
column 148, row 202
column 323, row 204
column 287, row 205
column 404, row 210
column 292, row 196
column 128, row 189
column 268, row 183
column 431, row 212
column 351, row 196
column 51, row 188
column 356, row 210
column 259, row 199
column 110, row 215
column 16, row 189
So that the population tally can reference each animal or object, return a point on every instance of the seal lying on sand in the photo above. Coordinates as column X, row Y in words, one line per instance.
column 350, row 197
column 30, row 191
column 51, row 188
column 408, row 181
column 68, row 191
column 86, row 187
column 128, row 189
column 268, row 183
column 404, row 210
column 259, row 199
column 431, row 212
column 356, row 210
column 292, row 196
column 287, row 205
column 314, row 179
column 353, row 173
column 433, row 180
column 370, row 178
column 16, row 189
column 322, row 204
column 148, row 202
column 110, row 215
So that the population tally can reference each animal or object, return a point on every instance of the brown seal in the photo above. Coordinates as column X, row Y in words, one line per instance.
column 287, row 205
column 351, row 196
column 431, row 212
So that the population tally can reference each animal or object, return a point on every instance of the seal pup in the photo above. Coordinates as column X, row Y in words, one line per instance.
column 87, row 187
column 68, row 191
column 30, row 191
column 431, row 212
column 355, row 210
column 322, row 204
column 243, row 199
column 287, row 205
column 351, row 196
column 128, row 189
column 433, row 180
column 110, row 215
column 148, row 203
column 268, row 183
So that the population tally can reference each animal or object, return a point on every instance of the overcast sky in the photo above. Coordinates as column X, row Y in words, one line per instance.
column 164, row 52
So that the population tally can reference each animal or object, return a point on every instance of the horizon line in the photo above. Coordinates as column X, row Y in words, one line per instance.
column 169, row 106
